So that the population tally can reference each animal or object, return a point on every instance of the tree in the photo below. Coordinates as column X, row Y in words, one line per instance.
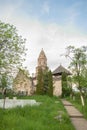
column 40, row 82
column 64, row 84
column 45, row 82
column 12, row 50
column 50, row 84
column 78, row 64
column 3, row 82
column 70, row 86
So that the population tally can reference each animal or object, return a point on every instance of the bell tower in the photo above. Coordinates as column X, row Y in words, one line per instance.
column 42, row 61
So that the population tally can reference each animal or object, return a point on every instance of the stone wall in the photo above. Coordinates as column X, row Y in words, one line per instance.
column 22, row 84
column 57, row 91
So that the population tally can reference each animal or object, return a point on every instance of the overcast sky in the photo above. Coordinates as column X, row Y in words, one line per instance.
column 49, row 24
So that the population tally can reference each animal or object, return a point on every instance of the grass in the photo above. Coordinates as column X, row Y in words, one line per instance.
column 50, row 115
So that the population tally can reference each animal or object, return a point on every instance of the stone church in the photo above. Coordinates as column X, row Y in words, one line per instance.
column 22, row 83
column 27, row 85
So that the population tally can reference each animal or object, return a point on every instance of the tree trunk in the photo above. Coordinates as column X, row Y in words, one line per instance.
column 4, row 97
column 4, row 102
column 82, row 99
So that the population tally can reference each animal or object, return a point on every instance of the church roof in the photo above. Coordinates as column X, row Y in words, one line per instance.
column 59, row 70
column 42, row 54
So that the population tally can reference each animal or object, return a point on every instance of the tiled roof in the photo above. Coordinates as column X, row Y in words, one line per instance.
column 60, row 70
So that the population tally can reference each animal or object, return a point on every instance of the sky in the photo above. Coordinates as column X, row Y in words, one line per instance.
column 49, row 24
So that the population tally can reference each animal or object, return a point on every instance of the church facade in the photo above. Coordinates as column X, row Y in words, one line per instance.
column 22, row 84
column 28, row 85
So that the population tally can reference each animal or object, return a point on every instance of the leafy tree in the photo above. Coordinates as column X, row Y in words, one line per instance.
column 3, row 82
column 70, row 86
column 12, row 49
column 64, row 84
column 66, row 89
column 78, row 64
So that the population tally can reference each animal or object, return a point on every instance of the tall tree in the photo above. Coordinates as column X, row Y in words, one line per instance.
column 50, row 84
column 64, row 84
column 45, row 81
column 12, row 49
column 40, row 82
column 78, row 64
column 66, row 87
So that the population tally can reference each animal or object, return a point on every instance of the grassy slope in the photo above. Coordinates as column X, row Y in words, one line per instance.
column 36, row 117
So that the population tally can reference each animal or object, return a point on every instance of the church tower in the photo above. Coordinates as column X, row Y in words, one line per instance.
column 42, row 61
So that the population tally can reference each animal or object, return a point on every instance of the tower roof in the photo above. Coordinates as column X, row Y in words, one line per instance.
column 42, row 54
column 59, row 70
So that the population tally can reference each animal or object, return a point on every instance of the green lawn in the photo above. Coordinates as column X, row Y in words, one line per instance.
column 50, row 115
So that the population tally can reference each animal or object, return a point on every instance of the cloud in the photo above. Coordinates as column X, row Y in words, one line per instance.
column 8, row 8
column 45, row 8
column 73, row 12
column 53, row 38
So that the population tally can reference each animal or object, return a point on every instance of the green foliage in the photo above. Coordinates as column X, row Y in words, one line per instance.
column 40, row 82
column 65, row 88
column 78, row 65
column 12, row 49
column 3, row 81
column 50, row 84
column 45, row 83
column 36, row 117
